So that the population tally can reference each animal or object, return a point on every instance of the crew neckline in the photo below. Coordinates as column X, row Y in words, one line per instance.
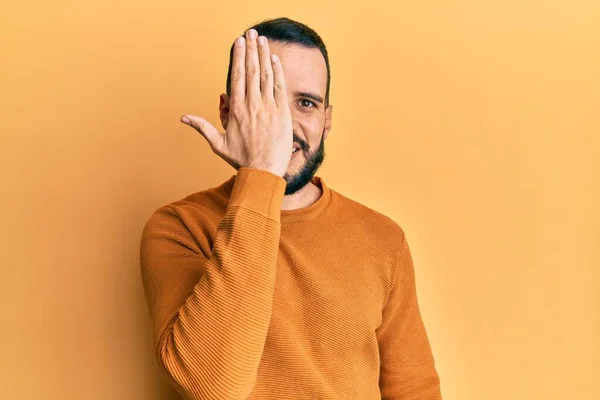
column 300, row 214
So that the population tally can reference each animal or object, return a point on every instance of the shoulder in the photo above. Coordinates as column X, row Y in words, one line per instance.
column 369, row 221
column 205, row 207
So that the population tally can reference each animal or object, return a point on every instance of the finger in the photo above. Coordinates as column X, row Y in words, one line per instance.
column 206, row 129
column 252, row 67
column 266, row 71
column 238, row 71
column 279, row 89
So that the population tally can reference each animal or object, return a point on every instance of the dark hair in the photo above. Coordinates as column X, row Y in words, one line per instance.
column 285, row 30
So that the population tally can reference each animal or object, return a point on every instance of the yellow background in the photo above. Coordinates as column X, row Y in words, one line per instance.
column 473, row 124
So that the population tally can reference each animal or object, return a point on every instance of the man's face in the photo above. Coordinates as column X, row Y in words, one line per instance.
column 306, row 81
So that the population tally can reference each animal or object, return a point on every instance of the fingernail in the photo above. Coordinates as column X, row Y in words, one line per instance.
column 261, row 40
column 185, row 120
column 273, row 58
column 252, row 33
column 240, row 41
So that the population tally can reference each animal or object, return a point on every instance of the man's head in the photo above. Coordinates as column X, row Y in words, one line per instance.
column 305, row 65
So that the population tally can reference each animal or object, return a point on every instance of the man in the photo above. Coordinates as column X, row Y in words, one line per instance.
column 272, row 285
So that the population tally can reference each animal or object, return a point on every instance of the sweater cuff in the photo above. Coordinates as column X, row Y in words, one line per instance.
column 258, row 190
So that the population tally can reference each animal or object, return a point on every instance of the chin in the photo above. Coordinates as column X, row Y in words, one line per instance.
column 301, row 171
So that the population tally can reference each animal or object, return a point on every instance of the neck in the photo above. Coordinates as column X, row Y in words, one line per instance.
column 304, row 197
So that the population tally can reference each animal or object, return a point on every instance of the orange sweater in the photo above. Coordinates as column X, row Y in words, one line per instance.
column 249, row 301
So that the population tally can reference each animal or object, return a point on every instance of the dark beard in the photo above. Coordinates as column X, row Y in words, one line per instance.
column 303, row 177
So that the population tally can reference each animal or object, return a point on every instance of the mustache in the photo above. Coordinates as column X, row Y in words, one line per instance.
column 303, row 145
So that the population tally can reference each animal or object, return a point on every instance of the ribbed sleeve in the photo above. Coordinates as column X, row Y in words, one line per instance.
column 211, row 313
column 407, row 366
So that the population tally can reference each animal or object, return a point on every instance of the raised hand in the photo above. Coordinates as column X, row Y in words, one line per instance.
column 259, row 130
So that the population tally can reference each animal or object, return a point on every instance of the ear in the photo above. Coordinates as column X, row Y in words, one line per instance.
column 224, row 109
column 327, row 121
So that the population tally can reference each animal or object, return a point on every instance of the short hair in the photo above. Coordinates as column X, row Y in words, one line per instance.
column 285, row 30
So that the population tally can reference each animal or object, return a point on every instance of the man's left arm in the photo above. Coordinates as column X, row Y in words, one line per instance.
column 407, row 369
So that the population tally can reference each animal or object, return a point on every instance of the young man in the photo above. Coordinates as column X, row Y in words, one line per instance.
column 272, row 285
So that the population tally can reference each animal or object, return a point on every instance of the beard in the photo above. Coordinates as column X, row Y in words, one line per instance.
column 314, row 159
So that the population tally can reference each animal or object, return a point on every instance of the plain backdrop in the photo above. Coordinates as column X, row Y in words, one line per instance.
column 473, row 124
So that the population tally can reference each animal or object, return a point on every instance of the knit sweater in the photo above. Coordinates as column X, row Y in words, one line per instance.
column 249, row 301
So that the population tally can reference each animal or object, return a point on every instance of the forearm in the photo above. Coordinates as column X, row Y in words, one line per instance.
column 212, row 345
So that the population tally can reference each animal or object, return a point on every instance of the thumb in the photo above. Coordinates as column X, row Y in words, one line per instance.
column 205, row 128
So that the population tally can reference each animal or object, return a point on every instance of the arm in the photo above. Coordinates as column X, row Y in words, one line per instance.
column 407, row 365
column 210, row 315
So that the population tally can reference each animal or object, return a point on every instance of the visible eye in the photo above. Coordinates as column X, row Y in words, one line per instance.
column 307, row 103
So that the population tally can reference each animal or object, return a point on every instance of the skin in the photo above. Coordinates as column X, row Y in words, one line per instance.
column 304, row 74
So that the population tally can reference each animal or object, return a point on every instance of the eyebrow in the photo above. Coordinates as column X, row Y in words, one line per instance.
column 309, row 95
